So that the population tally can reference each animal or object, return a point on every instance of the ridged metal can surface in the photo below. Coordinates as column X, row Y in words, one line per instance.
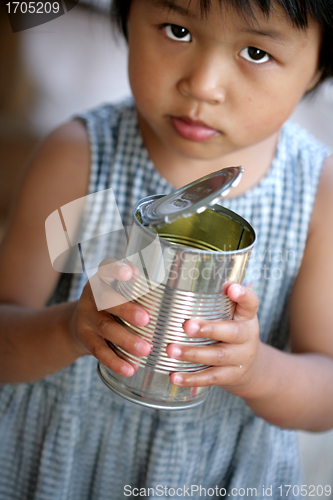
column 181, row 268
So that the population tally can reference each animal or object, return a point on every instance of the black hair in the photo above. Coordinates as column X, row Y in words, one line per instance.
column 298, row 11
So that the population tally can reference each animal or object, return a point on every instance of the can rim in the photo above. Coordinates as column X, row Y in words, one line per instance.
column 217, row 208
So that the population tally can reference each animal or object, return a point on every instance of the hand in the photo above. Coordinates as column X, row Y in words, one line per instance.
column 234, row 359
column 92, row 328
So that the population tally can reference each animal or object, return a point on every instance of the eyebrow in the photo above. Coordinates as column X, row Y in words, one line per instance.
column 172, row 6
column 275, row 35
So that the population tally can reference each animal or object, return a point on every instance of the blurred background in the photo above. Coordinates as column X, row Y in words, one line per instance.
column 75, row 62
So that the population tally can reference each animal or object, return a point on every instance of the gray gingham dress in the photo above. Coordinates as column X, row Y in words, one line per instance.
column 68, row 437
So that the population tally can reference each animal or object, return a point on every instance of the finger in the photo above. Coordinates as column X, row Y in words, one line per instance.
column 226, row 375
column 219, row 354
column 98, row 347
column 119, row 335
column 233, row 332
column 110, row 270
column 246, row 301
column 131, row 313
column 109, row 329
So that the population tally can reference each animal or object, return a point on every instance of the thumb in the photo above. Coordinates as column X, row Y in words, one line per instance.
column 246, row 301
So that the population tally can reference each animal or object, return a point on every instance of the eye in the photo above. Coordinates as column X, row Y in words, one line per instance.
column 178, row 33
column 255, row 55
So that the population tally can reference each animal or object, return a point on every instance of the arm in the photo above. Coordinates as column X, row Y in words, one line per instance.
column 291, row 390
column 35, row 340
column 27, row 277
column 299, row 390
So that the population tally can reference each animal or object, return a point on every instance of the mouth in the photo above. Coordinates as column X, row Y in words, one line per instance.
column 193, row 130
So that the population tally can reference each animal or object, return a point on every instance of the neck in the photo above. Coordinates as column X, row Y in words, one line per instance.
column 256, row 161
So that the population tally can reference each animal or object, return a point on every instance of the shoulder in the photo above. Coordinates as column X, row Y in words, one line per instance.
column 323, row 208
column 296, row 136
column 107, row 117
column 299, row 144
column 108, row 126
column 57, row 174
column 304, row 158
column 61, row 162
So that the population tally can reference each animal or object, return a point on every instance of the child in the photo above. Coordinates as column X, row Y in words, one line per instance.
column 213, row 85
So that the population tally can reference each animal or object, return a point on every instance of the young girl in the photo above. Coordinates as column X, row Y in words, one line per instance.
column 213, row 85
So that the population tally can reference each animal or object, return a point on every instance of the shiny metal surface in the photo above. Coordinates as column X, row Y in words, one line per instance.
column 146, row 387
column 194, row 197
column 181, row 269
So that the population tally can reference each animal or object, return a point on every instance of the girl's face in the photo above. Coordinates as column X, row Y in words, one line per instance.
column 205, row 87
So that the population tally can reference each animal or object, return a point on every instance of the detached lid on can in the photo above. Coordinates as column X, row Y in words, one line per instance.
column 194, row 197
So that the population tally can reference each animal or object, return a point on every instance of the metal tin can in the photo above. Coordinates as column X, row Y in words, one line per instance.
column 182, row 266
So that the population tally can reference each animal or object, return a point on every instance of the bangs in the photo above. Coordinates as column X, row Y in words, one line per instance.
column 298, row 11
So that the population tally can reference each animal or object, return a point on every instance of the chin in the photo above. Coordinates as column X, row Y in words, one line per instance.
column 200, row 152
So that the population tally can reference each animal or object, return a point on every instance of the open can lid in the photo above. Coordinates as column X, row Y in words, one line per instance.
column 194, row 197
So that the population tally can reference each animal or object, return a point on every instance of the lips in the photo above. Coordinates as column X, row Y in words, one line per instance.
column 192, row 130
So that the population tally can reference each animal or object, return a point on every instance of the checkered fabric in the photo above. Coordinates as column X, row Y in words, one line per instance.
column 68, row 437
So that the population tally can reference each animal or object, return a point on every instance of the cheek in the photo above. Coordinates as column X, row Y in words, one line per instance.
column 143, row 79
column 142, row 90
column 151, row 86
column 269, row 106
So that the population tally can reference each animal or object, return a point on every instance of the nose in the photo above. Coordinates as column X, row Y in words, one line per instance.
column 204, row 80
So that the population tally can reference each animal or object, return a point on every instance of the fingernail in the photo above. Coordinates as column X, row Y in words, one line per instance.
column 177, row 379
column 141, row 348
column 126, row 370
column 140, row 317
column 124, row 269
column 192, row 328
column 207, row 329
column 238, row 291
column 176, row 352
